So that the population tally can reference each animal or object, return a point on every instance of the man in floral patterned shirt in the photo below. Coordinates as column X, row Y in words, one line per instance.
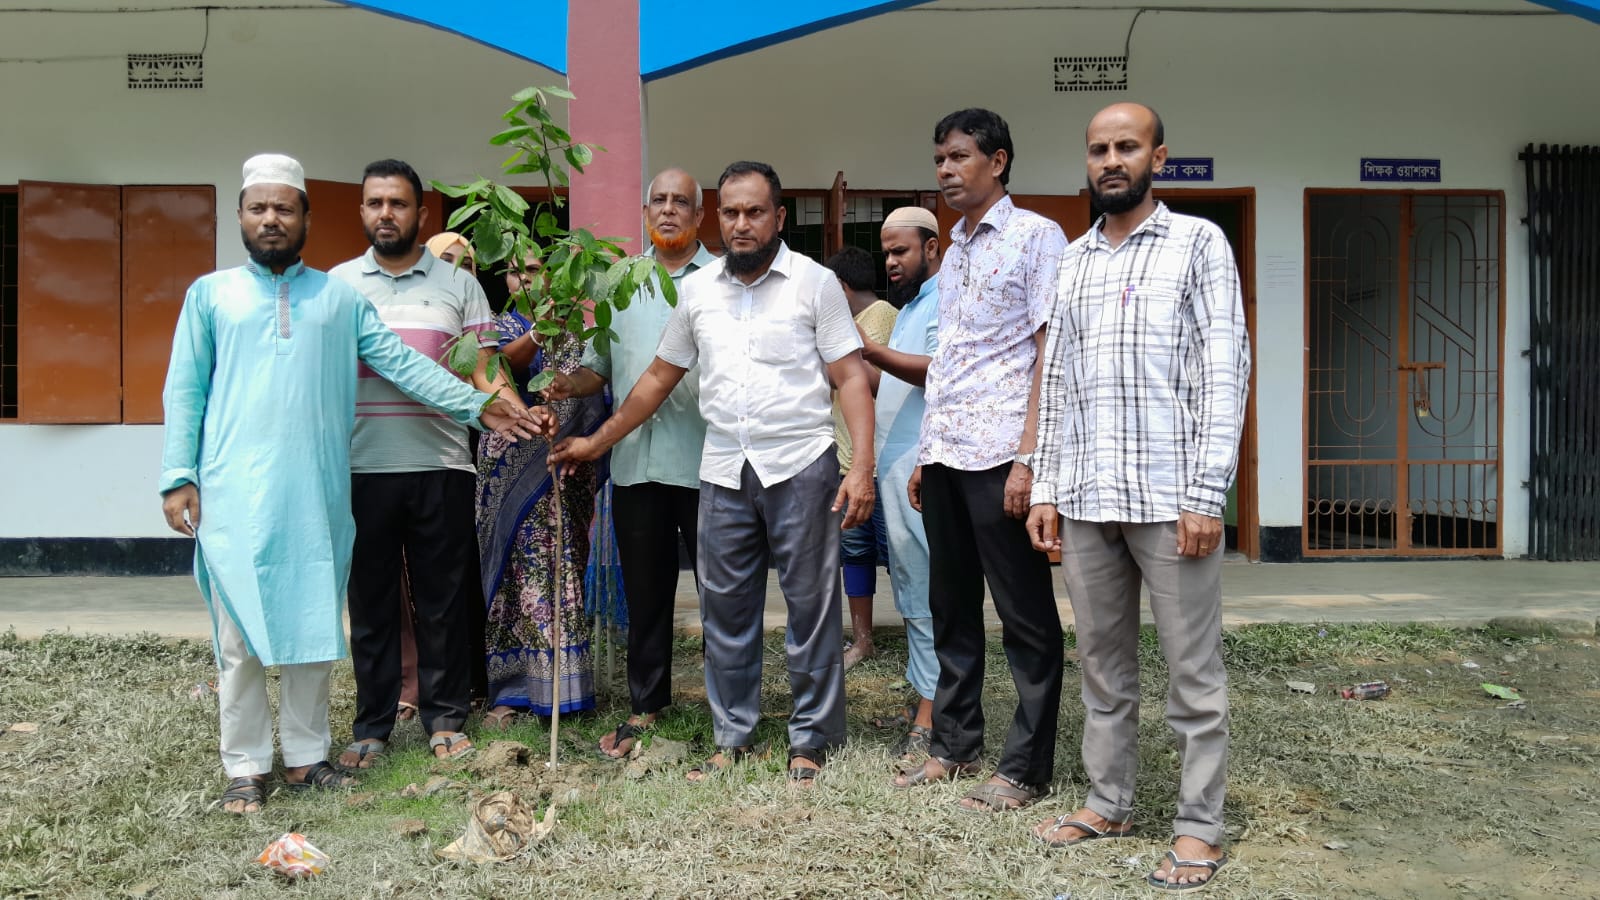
column 996, row 287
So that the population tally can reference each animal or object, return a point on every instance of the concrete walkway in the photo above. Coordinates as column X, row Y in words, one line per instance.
column 1462, row 593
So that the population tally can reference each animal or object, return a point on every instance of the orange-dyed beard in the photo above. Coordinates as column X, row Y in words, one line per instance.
column 672, row 245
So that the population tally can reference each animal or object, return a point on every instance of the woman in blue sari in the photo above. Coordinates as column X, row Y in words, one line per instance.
column 516, row 537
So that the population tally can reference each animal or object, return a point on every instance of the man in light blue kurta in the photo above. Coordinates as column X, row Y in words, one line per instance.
column 260, row 403
column 910, row 244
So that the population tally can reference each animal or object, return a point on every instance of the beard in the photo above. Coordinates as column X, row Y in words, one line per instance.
column 910, row 284
column 270, row 258
column 1125, row 200
column 402, row 243
column 671, row 245
column 754, row 261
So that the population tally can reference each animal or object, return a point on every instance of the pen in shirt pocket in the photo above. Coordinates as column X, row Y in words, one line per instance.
column 1129, row 293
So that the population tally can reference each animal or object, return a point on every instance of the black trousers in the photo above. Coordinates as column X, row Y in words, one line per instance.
column 427, row 519
column 649, row 518
column 970, row 537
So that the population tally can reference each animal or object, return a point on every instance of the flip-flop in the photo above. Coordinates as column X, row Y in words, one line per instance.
column 502, row 720
column 1215, row 865
column 625, row 731
column 373, row 750
column 1090, row 832
column 448, row 740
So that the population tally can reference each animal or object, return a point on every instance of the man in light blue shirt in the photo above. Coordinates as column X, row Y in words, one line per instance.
column 910, row 242
column 655, row 470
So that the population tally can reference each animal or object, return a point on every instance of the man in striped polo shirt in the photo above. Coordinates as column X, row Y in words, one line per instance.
column 412, row 480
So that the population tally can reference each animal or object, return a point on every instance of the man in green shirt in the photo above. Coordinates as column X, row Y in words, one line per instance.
column 655, row 470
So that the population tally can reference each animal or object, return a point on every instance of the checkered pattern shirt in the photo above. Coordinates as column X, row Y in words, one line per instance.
column 1147, row 364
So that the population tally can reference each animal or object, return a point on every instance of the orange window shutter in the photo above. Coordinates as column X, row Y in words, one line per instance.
column 69, row 295
column 169, row 239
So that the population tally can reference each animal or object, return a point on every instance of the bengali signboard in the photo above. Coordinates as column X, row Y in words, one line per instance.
column 1383, row 169
column 1193, row 168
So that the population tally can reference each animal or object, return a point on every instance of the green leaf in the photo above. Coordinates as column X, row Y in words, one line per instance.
column 556, row 134
column 669, row 290
column 1504, row 693
column 464, row 354
column 602, row 314
column 490, row 240
column 539, row 381
column 450, row 190
column 497, row 363
column 563, row 93
column 511, row 201
column 524, row 95
column 546, row 224
column 463, row 214
column 601, row 340
column 547, row 327
column 511, row 134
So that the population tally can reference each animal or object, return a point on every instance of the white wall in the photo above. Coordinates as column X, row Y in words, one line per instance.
column 335, row 87
column 1284, row 102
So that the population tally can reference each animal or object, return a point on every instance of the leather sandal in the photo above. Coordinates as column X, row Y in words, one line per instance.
column 1003, row 796
column 247, row 789
column 710, row 767
column 322, row 777
column 951, row 771
column 804, row 776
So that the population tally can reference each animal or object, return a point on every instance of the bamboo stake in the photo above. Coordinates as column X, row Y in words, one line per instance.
column 555, row 621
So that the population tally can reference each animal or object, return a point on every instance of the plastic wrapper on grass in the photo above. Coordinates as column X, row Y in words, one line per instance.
column 499, row 826
column 292, row 856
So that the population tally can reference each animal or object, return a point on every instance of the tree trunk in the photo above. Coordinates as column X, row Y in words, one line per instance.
column 559, row 595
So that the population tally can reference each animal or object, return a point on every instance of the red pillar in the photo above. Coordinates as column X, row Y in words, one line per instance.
column 603, row 72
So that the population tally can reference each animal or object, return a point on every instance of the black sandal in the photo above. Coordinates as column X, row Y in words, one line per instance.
column 248, row 789
column 626, row 731
column 804, row 776
column 322, row 777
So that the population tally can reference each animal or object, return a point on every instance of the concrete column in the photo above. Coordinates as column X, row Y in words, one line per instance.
column 603, row 72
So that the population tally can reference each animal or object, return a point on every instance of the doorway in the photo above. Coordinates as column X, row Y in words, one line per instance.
column 1234, row 211
column 1405, row 305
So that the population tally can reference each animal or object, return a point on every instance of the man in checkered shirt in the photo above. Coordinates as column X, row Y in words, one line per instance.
column 1141, row 405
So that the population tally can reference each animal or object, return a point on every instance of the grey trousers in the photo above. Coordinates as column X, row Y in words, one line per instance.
column 737, row 529
column 1102, row 565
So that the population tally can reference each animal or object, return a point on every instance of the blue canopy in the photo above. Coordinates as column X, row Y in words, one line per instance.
column 536, row 30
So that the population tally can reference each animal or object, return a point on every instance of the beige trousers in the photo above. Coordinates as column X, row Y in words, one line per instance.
column 1103, row 565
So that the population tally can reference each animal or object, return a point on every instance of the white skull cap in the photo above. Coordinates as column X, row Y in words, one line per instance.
column 274, row 168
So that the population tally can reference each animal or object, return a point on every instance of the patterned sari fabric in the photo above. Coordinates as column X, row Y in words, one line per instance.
column 516, row 537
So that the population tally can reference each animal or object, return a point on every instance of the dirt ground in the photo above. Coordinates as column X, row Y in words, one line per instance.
column 1438, row 790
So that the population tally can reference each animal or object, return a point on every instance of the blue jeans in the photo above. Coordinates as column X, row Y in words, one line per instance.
column 862, row 549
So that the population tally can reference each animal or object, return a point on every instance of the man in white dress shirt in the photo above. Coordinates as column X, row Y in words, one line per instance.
column 768, row 329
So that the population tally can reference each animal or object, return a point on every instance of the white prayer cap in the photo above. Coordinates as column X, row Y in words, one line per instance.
column 911, row 217
column 274, row 168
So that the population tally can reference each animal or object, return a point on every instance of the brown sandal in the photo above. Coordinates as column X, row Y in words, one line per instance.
column 1004, row 795
column 951, row 771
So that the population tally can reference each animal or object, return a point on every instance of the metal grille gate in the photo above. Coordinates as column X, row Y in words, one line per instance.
column 1403, row 394
column 1564, row 351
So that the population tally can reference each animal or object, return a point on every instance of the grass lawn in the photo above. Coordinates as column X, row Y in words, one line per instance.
column 1436, row 791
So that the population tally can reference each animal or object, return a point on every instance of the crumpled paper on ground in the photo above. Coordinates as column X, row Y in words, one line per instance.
column 294, row 857
column 498, row 828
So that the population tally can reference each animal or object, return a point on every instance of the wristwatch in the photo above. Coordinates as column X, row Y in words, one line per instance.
column 1024, row 459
